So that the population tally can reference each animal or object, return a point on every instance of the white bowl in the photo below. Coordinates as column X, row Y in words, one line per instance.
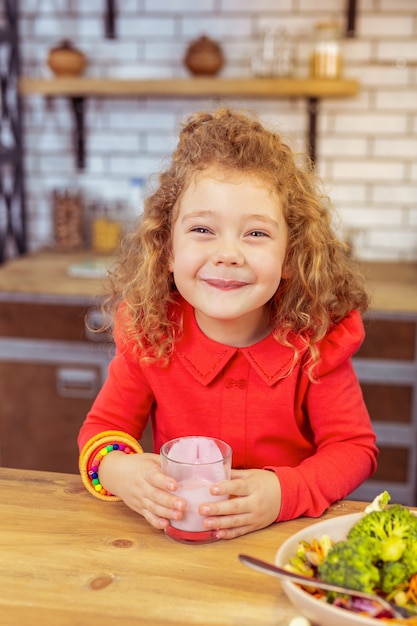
column 318, row 611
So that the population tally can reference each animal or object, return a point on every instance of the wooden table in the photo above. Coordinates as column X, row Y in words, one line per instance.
column 68, row 559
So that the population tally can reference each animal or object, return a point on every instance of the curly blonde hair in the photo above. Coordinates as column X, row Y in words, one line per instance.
column 322, row 284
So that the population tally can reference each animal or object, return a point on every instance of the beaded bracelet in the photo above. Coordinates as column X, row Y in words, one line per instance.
column 93, row 471
column 93, row 453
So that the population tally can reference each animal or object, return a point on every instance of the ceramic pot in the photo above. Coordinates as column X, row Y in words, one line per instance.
column 65, row 60
column 204, row 57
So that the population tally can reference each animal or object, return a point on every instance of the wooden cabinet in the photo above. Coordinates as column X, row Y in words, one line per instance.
column 51, row 369
column 53, row 361
column 386, row 365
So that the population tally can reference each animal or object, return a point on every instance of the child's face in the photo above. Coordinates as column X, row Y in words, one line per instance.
column 228, row 248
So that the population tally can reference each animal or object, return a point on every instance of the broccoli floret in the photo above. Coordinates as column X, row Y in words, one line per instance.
column 352, row 564
column 379, row 554
column 410, row 557
column 392, row 526
column 393, row 574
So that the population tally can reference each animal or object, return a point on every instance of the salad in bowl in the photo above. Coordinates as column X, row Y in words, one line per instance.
column 374, row 551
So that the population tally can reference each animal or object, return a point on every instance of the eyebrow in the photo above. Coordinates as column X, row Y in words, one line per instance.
column 196, row 214
column 252, row 216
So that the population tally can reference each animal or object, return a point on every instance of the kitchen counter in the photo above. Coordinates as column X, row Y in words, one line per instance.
column 50, row 275
column 392, row 285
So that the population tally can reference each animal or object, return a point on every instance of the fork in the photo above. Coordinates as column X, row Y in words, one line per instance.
column 273, row 570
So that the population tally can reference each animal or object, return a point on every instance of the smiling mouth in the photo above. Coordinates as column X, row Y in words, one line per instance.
column 224, row 284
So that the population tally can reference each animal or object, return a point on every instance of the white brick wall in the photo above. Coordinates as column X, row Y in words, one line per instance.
column 367, row 145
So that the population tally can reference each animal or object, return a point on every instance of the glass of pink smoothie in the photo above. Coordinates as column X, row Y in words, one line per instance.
column 195, row 463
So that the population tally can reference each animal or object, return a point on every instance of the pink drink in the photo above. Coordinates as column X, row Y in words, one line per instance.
column 195, row 463
column 195, row 491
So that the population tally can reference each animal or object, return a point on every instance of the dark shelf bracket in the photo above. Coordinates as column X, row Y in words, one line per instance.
column 312, row 109
column 351, row 18
column 78, row 108
column 110, row 20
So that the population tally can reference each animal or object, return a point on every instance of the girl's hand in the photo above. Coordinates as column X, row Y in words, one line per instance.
column 137, row 479
column 254, row 503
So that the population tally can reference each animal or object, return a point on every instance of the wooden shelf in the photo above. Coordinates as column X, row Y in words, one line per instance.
column 190, row 87
column 77, row 89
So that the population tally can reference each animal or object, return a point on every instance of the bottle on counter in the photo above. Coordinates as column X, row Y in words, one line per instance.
column 68, row 218
column 106, row 228
column 136, row 197
column 111, row 219
column 326, row 57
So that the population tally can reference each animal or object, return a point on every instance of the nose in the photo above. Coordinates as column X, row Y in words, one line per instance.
column 228, row 253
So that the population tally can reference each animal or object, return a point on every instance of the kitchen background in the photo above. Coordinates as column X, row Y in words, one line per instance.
column 51, row 363
column 366, row 144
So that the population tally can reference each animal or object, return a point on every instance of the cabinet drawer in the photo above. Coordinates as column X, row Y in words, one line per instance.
column 393, row 465
column 38, row 423
column 388, row 339
column 30, row 320
column 389, row 403
column 46, row 389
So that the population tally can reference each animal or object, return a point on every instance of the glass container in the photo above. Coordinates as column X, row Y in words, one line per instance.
column 326, row 57
column 275, row 54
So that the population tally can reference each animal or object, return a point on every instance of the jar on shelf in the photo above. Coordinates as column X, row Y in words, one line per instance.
column 66, row 60
column 275, row 54
column 326, row 57
column 204, row 57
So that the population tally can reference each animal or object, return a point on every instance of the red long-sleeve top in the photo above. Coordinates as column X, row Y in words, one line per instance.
column 317, row 437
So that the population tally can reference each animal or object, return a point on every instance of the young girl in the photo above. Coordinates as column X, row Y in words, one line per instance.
column 236, row 314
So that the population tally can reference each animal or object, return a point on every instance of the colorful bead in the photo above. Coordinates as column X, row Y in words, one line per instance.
column 93, row 472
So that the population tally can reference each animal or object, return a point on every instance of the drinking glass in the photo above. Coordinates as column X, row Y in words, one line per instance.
column 195, row 463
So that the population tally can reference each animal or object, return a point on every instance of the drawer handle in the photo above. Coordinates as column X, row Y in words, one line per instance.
column 77, row 383
column 96, row 326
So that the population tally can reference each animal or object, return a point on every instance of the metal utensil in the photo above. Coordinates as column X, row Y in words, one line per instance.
column 279, row 572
